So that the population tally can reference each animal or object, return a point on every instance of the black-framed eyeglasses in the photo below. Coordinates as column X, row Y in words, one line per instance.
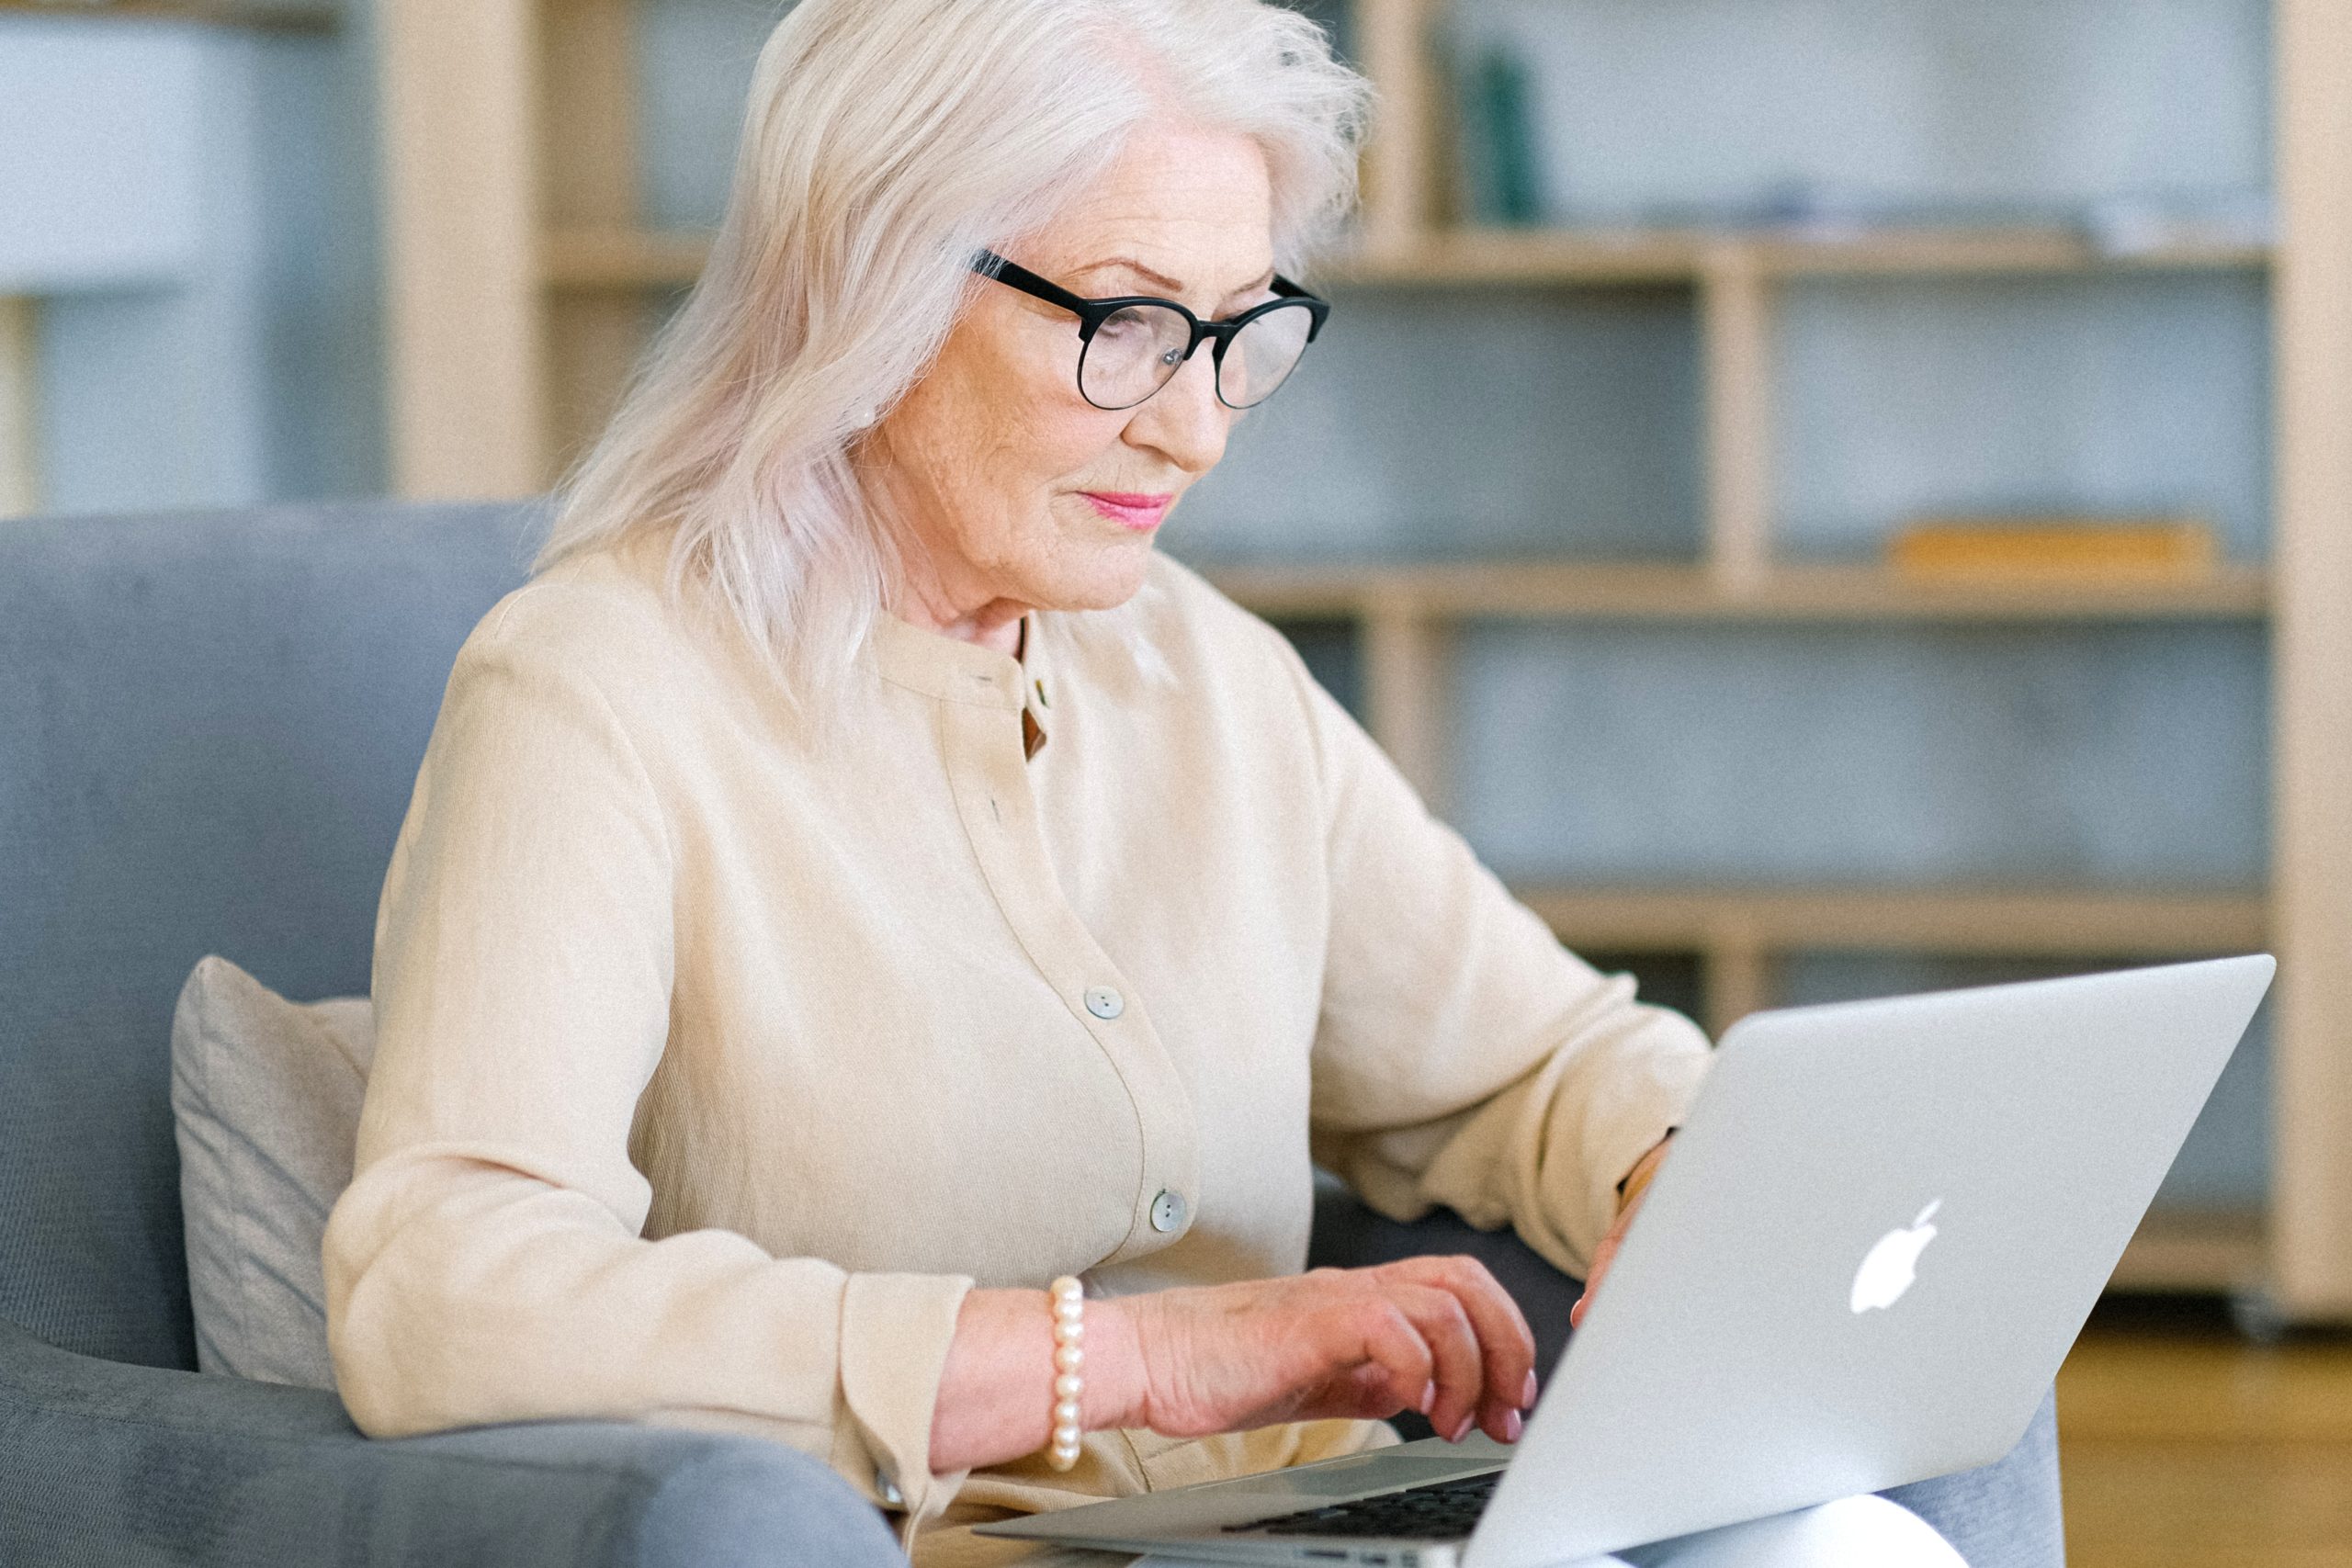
column 1131, row 347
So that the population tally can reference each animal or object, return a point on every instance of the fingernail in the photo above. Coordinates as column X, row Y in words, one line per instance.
column 1463, row 1430
column 1429, row 1397
column 1513, row 1427
column 1526, row 1392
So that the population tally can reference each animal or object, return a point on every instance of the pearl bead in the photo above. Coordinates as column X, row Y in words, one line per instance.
column 1068, row 1386
column 1068, row 1333
column 1070, row 1358
column 1067, row 1289
column 1067, row 1414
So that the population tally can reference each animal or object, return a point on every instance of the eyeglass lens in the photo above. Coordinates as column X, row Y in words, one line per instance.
column 1139, row 348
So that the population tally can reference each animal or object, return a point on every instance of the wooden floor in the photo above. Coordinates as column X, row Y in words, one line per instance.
column 2185, row 1446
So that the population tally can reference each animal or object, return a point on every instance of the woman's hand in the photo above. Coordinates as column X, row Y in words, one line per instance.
column 1637, row 1181
column 1436, row 1335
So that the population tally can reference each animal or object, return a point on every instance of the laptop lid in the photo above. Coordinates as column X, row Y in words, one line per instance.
column 1882, row 1227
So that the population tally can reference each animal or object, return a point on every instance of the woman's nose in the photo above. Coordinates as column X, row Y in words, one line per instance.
column 1183, row 420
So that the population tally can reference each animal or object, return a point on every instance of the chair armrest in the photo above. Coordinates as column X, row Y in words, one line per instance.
column 103, row 1462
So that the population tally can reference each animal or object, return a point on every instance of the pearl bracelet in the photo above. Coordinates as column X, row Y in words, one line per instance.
column 1070, row 1327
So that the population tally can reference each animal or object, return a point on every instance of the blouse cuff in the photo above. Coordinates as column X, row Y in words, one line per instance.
column 895, row 1332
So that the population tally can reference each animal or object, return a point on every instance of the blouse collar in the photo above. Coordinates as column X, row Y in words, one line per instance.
column 947, row 666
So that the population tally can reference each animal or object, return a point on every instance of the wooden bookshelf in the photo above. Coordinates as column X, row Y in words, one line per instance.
column 520, row 273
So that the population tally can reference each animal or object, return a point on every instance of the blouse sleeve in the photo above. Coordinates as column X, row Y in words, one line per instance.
column 1463, row 1057
column 486, row 1264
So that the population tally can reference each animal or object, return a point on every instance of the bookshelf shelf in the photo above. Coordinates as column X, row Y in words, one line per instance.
column 1686, row 255
column 1617, row 590
column 2031, row 922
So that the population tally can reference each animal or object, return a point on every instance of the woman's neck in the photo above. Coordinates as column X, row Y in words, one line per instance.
column 926, row 601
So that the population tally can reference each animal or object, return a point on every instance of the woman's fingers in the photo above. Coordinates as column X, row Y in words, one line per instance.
column 1379, row 1331
column 1506, row 1346
column 1603, row 1255
column 1438, row 1316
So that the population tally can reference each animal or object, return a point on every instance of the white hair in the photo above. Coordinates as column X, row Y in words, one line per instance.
column 885, row 142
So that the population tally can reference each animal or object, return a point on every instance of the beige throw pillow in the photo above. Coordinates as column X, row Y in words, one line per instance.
column 266, row 1096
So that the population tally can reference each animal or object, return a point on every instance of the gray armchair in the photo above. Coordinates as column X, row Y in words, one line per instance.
column 209, row 727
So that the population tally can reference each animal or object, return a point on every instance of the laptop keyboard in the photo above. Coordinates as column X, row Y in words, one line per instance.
column 1442, row 1510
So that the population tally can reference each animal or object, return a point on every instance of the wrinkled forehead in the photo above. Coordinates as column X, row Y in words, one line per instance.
column 1183, row 211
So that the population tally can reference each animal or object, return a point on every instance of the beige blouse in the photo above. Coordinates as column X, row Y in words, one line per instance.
column 717, row 1057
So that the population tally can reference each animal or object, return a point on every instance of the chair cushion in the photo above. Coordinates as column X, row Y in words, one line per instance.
column 266, row 1096
column 209, row 727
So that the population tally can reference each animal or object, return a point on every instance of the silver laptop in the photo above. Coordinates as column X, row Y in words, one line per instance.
column 1883, row 1224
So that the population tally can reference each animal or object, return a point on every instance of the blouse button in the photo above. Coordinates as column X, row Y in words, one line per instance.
column 1167, row 1212
column 1105, row 1002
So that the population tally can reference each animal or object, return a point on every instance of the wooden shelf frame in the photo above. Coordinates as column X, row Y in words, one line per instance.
column 19, row 406
column 519, row 272
column 582, row 258
column 2311, row 654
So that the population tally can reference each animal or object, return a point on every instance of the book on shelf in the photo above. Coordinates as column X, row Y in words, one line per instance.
column 1938, row 548
column 1499, row 140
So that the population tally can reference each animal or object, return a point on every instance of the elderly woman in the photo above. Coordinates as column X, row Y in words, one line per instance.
column 859, row 880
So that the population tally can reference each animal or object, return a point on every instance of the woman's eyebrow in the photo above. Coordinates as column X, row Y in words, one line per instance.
column 1155, row 279
column 1160, row 280
column 1265, row 280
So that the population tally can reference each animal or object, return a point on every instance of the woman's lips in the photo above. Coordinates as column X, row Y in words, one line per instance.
column 1127, row 510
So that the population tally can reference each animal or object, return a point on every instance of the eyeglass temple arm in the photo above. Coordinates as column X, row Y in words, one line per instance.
column 987, row 264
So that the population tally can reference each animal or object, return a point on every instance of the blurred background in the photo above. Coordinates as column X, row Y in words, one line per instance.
column 1796, row 482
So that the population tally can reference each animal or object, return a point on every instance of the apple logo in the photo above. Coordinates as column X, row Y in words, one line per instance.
column 1891, row 1265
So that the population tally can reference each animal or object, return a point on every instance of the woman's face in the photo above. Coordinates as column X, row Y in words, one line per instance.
column 1020, row 495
